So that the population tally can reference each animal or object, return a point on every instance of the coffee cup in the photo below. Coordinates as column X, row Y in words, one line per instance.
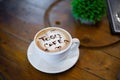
column 53, row 44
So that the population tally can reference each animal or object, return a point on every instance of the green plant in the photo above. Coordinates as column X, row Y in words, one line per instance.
column 90, row 10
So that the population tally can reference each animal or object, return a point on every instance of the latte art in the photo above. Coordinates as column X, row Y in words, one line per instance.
column 53, row 40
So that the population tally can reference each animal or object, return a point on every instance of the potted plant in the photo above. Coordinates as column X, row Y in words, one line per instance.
column 88, row 11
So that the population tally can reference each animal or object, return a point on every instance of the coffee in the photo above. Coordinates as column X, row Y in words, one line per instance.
column 52, row 39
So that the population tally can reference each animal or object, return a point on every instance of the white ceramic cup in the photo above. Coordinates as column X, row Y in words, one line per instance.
column 56, row 57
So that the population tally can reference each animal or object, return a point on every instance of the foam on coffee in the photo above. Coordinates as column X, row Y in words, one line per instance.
column 52, row 40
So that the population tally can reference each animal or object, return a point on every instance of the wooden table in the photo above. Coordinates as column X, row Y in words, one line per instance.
column 21, row 19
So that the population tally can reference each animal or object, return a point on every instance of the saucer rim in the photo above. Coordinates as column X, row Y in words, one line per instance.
column 51, row 72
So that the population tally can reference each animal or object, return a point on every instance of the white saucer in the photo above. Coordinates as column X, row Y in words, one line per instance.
column 40, row 64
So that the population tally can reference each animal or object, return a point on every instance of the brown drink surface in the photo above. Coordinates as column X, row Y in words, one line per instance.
column 52, row 39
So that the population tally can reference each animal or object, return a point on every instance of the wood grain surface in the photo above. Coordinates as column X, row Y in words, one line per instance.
column 21, row 19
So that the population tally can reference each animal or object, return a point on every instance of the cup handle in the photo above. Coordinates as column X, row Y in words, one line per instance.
column 75, row 43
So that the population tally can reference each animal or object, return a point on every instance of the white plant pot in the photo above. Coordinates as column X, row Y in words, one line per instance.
column 86, row 21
